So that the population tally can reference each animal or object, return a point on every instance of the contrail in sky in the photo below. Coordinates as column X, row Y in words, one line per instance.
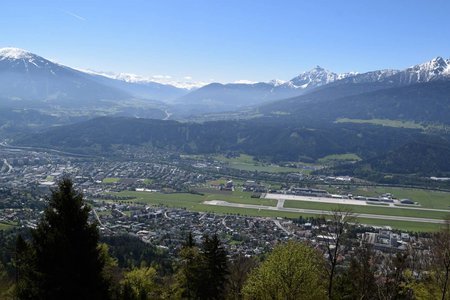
column 74, row 15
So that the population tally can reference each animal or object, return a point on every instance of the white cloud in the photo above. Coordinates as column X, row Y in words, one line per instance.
column 187, row 77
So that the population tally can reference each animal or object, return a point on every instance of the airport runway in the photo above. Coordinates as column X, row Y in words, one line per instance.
column 284, row 197
column 321, row 212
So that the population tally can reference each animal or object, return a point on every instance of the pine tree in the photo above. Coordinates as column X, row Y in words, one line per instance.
column 189, row 276
column 215, row 268
column 64, row 251
column 25, row 270
column 203, row 272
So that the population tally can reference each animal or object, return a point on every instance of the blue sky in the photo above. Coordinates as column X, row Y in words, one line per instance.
column 229, row 40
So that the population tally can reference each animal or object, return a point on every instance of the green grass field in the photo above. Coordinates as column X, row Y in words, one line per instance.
column 194, row 202
column 49, row 178
column 426, row 198
column 339, row 158
column 384, row 122
column 246, row 163
column 369, row 209
column 397, row 124
column 110, row 180
column 148, row 181
column 6, row 226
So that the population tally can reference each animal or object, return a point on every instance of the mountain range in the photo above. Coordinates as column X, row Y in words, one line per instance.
column 29, row 81
column 217, row 97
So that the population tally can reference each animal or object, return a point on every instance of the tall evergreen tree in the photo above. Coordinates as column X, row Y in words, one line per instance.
column 189, row 276
column 24, row 263
column 215, row 268
column 203, row 272
column 64, row 248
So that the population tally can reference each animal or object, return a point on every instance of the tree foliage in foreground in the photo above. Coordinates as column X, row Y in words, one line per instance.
column 293, row 271
column 139, row 284
column 203, row 271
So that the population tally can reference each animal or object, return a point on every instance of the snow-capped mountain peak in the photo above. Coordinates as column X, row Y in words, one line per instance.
column 19, row 59
column 15, row 53
column 138, row 79
column 435, row 66
column 435, row 69
column 276, row 82
column 316, row 77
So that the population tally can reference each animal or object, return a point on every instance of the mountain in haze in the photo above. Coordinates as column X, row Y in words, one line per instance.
column 317, row 84
column 217, row 97
column 140, row 87
column 20, row 67
column 29, row 81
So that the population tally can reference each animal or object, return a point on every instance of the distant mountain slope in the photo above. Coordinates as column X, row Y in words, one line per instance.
column 422, row 102
column 428, row 156
column 42, row 79
column 316, row 85
column 328, row 93
column 28, row 81
column 27, row 77
column 142, row 89
column 217, row 97
column 382, row 94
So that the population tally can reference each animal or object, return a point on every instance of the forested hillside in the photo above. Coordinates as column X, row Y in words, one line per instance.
column 278, row 141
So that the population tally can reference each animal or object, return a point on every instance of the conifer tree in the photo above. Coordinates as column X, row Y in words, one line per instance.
column 63, row 253
column 24, row 263
column 189, row 275
column 203, row 271
column 215, row 268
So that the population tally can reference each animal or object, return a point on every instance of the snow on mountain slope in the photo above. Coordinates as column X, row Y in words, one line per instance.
column 159, row 79
column 315, row 78
column 15, row 59
column 437, row 68
column 15, row 53
column 27, row 76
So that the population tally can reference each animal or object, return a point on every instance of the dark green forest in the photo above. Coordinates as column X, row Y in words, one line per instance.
column 383, row 149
